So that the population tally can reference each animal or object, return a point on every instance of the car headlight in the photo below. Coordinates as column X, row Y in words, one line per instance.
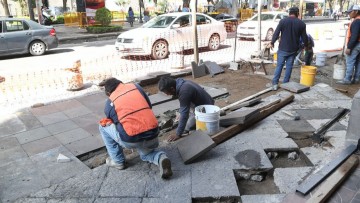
column 124, row 40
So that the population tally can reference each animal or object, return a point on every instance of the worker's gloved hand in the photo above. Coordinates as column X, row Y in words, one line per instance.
column 348, row 51
column 105, row 122
column 173, row 138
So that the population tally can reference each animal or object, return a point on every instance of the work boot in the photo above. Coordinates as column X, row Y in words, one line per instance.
column 275, row 87
column 343, row 82
column 111, row 163
column 165, row 167
column 356, row 82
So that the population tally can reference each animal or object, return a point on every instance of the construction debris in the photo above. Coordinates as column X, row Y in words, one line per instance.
column 293, row 156
column 62, row 158
column 293, row 114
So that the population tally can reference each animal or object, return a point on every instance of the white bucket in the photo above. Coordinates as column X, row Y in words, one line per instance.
column 209, row 121
column 339, row 72
column 320, row 59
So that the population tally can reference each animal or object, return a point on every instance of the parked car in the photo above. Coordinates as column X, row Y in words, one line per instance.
column 269, row 22
column 18, row 36
column 230, row 21
column 171, row 32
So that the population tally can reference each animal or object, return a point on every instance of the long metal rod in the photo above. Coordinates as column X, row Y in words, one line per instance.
column 259, row 25
column 195, row 39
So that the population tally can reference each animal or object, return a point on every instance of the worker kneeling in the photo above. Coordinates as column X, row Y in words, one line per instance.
column 131, row 123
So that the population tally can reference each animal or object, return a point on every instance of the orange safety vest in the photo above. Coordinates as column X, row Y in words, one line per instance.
column 348, row 33
column 132, row 109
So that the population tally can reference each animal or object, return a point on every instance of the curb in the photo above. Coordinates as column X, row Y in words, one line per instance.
column 89, row 38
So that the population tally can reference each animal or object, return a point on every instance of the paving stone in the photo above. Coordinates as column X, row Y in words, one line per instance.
column 354, row 120
column 77, row 111
column 28, row 119
column 93, row 129
column 198, row 70
column 159, row 74
column 68, row 104
column 178, row 186
column 118, row 200
column 247, row 103
column 10, row 124
column 179, row 74
column 72, row 135
column 60, row 127
column 132, row 183
column 193, row 146
column 321, row 155
column 308, row 114
column 334, row 95
column 317, row 123
column 32, row 135
column 238, row 117
column 85, row 145
column 213, row 68
column 58, row 172
column 215, row 92
column 8, row 143
column 288, row 179
column 11, row 154
column 44, row 110
column 343, row 194
column 172, row 152
column 95, row 102
column 332, row 112
column 214, row 184
column 336, row 138
column 276, row 198
column 276, row 144
column 298, row 129
column 52, row 118
column 159, row 98
column 167, row 200
column 87, row 120
column 19, row 178
column 71, row 200
column 31, row 200
column 294, row 87
column 167, row 106
column 41, row 145
column 146, row 80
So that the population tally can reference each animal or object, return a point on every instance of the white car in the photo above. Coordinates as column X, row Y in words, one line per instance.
column 171, row 33
column 269, row 22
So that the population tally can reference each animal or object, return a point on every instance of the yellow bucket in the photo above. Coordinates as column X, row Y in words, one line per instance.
column 275, row 59
column 307, row 77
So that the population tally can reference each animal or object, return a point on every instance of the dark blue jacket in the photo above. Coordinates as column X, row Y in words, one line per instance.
column 291, row 29
column 355, row 31
column 111, row 113
column 189, row 94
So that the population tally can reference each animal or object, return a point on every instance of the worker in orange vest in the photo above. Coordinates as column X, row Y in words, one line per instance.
column 131, row 123
column 352, row 74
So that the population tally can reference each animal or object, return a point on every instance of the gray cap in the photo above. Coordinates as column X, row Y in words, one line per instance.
column 354, row 8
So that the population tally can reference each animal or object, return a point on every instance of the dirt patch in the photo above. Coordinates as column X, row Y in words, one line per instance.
column 267, row 186
column 282, row 161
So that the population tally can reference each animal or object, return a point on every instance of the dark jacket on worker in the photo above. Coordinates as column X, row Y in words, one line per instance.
column 189, row 94
column 111, row 113
column 291, row 29
column 355, row 31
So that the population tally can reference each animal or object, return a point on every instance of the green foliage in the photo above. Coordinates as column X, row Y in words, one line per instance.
column 122, row 2
column 103, row 29
column 59, row 20
column 103, row 16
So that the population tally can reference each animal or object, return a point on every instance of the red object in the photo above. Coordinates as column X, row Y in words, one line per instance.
column 105, row 122
column 52, row 32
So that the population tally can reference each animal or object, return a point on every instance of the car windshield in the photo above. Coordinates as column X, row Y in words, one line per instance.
column 160, row 22
column 264, row 17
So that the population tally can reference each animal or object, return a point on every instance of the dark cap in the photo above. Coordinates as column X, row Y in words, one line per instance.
column 294, row 10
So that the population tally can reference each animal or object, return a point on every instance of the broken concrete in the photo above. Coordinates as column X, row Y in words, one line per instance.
column 294, row 87
column 213, row 68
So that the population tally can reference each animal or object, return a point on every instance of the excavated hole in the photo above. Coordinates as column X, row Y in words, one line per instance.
column 282, row 160
column 213, row 200
column 250, row 187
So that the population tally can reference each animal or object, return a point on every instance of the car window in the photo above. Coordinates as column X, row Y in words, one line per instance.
column 15, row 25
column 264, row 17
column 200, row 20
column 1, row 26
column 160, row 22
column 278, row 17
column 183, row 21
column 283, row 16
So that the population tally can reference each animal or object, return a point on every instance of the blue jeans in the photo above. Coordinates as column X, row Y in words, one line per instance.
column 114, row 146
column 283, row 57
column 353, row 64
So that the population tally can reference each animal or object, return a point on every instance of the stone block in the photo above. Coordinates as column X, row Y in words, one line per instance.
column 11, row 154
column 41, row 145
column 159, row 74
column 213, row 68
column 194, row 145
column 68, row 104
column 167, row 106
column 146, row 80
column 276, row 198
column 278, row 144
column 58, row 172
column 337, row 127
column 8, row 143
column 298, row 129
column 52, row 118
column 77, row 111
column 44, row 110
column 294, row 87
column 247, row 103
column 167, row 200
column 288, row 179
column 71, row 136
column 354, row 128
column 85, row 145
column 214, row 184
column 31, row 200
column 177, row 163
column 10, row 124
column 117, row 200
column 313, row 113
column 95, row 102
column 124, row 183
column 70, row 200
column 198, row 70
column 159, row 98
column 28, row 119
column 179, row 74
column 60, row 127
column 32, row 135
column 215, row 92
column 238, row 117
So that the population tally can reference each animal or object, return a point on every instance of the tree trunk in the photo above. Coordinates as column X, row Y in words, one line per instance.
column 30, row 9
column 6, row 7
column 64, row 6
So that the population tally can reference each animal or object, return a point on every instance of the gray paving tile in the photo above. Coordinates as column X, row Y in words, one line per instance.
column 11, row 154
column 146, row 80
column 342, row 195
column 276, row 144
column 198, row 70
column 70, row 200
column 72, row 136
column 215, row 92
column 352, row 182
column 177, row 163
column 213, row 68
column 288, row 179
column 117, row 200
column 77, row 111
column 32, row 135
column 95, row 102
column 8, row 143
column 44, row 110
column 294, row 87
column 167, row 200
column 159, row 74
column 28, row 119
column 69, row 104
column 309, row 114
column 52, row 118
column 41, row 145
column 215, row 184
column 58, row 172
column 10, row 124
column 85, row 145
column 167, row 106
column 297, row 129
column 93, row 129
column 31, row 200
column 133, row 183
column 60, row 127
column 159, row 98
column 276, row 198
column 87, row 120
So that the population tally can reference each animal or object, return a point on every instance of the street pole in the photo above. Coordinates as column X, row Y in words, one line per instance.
column 259, row 26
column 301, row 9
column 140, row 4
column 195, row 39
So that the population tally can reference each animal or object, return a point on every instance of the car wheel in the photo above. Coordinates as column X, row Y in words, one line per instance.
column 269, row 35
column 37, row 48
column 214, row 42
column 160, row 50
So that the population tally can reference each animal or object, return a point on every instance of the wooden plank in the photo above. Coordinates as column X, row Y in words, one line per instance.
column 334, row 180
column 235, row 129
column 313, row 180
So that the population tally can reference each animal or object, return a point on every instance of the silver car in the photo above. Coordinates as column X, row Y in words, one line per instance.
column 19, row 36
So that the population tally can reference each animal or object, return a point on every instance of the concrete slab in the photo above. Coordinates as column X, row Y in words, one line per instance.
column 52, row 118
column 117, row 200
column 70, row 200
column 336, row 138
column 179, row 74
column 288, row 179
column 19, row 178
column 85, row 145
column 60, row 127
column 133, row 183
column 276, row 198
column 334, row 95
column 321, row 155
column 238, row 117
column 198, row 70
column 44, row 110
column 8, row 143
column 10, row 124
column 332, row 112
column 177, row 187
column 31, row 200
column 95, row 102
column 308, row 114
column 41, row 145
column 159, row 98
column 146, row 80
column 177, row 163
column 72, row 136
column 32, row 135
column 168, row 200
column 28, row 119
column 214, row 184
column 353, row 128
column 159, row 74
column 193, row 146
column 167, row 106
column 11, row 154
column 68, row 104
column 317, row 123
column 337, row 127
column 76, row 111
column 89, row 122
column 215, row 92
column 276, row 144
column 299, row 129
column 58, row 172
column 213, row 68
column 294, row 87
